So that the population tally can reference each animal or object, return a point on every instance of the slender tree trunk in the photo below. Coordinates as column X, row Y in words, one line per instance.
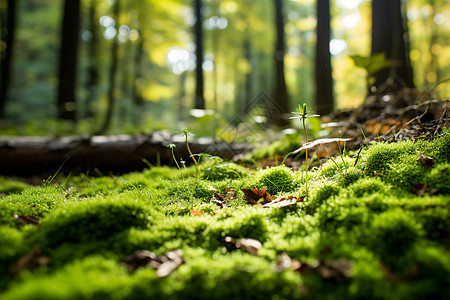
column 388, row 36
column 112, row 76
column 68, row 60
column 249, row 75
column 137, row 97
column 7, row 35
column 198, row 33
column 281, row 94
column 93, row 76
column 323, row 80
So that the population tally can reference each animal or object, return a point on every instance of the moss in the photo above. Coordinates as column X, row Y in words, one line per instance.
column 224, row 172
column 377, row 159
column 393, row 233
column 91, row 278
column 405, row 173
column 276, row 180
column 335, row 166
column 396, row 241
column 92, row 220
column 320, row 194
column 439, row 179
column 9, row 186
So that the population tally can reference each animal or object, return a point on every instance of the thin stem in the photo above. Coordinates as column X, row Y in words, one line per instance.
column 306, row 153
column 192, row 156
column 174, row 159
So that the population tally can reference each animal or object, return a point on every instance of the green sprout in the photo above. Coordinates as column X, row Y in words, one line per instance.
column 172, row 146
column 186, row 134
column 302, row 114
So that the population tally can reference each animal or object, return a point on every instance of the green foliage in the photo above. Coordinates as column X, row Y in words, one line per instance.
column 396, row 242
column 275, row 180
column 92, row 220
column 439, row 178
column 8, row 186
column 224, row 172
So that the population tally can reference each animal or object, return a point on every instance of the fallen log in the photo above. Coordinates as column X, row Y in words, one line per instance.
column 28, row 156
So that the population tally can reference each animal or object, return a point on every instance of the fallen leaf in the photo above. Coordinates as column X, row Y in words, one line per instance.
column 427, row 162
column 283, row 201
column 285, row 262
column 175, row 259
column 31, row 260
column 138, row 259
column 231, row 193
column 249, row 245
column 419, row 189
column 163, row 264
column 315, row 143
column 197, row 213
column 253, row 195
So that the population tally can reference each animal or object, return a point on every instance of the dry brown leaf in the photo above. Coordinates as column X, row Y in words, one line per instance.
column 198, row 213
column 253, row 195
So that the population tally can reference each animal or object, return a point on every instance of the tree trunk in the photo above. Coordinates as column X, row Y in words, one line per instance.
column 280, row 95
column 388, row 37
column 93, row 76
column 323, row 80
column 137, row 95
column 112, row 74
column 7, row 34
column 68, row 60
column 198, row 33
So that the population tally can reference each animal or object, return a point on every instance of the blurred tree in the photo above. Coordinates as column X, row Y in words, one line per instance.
column 198, row 33
column 7, row 33
column 281, row 94
column 112, row 74
column 323, row 82
column 93, row 72
column 68, row 60
column 389, row 36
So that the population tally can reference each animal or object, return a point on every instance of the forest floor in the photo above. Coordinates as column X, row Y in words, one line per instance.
column 371, row 221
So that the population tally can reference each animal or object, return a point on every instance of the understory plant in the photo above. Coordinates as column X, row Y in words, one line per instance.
column 302, row 114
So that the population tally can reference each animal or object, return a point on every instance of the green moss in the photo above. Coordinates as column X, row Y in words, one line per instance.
column 393, row 233
column 320, row 194
column 275, row 180
column 9, row 186
column 92, row 220
column 377, row 159
column 224, row 172
column 91, row 278
column 439, row 179
column 396, row 241
column 335, row 166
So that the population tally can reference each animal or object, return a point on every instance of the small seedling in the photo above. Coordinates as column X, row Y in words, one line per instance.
column 186, row 134
column 172, row 146
column 302, row 114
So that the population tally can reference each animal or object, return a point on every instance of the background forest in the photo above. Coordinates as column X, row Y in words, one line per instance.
column 131, row 66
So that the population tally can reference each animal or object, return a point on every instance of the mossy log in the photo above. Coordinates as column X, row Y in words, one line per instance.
column 43, row 156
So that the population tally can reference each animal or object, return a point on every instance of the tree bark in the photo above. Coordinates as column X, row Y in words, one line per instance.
column 281, row 94
column 323, row 81
column 68, row 60
column 388, row 36
column 7, row 35
column 112, row 75
column 198, row 33
column 93, row 74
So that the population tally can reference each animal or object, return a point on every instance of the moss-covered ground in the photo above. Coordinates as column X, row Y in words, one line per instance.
column 377, row 229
